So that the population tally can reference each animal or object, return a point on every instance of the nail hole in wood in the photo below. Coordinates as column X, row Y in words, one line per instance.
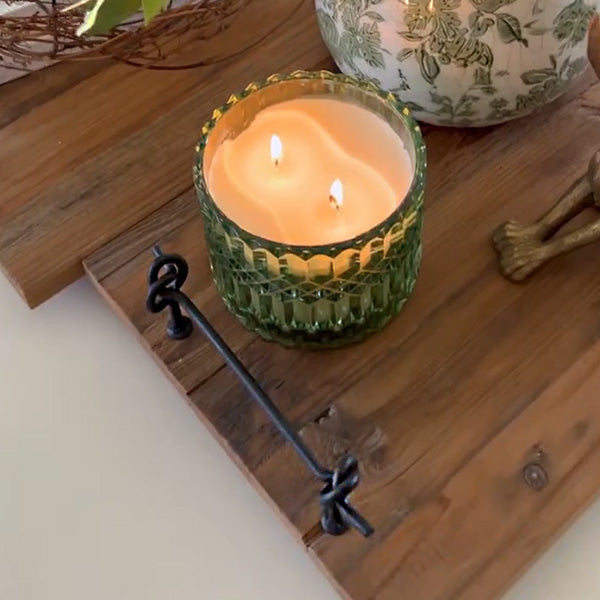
column 535, row 476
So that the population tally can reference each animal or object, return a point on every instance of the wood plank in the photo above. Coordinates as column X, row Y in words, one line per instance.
column 25, row 94
column 72, row 179
column 500, row 521
column 476, row 378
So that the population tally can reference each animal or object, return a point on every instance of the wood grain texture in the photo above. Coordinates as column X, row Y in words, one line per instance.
column 476, row 379
column 85, row 153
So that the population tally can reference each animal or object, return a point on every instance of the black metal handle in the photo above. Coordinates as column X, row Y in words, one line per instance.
column 166, row 276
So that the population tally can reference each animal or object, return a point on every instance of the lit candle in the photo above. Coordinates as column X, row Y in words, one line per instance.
column 311, row 188
column 336, row 195
column 276, row 149
column 287, row 195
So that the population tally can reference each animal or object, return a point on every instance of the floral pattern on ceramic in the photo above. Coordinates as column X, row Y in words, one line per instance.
column 461, row 62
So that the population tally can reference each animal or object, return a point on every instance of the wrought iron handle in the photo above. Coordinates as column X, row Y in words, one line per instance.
column 166, row 276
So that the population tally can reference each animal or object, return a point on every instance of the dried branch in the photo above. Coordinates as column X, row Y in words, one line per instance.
column 49, row 33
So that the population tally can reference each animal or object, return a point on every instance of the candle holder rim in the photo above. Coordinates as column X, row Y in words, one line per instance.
column 401, row 110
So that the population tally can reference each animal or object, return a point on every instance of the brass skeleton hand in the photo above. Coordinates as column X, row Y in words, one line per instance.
column 524, row 248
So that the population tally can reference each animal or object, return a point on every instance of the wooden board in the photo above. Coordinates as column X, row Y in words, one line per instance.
column 476, row 379
column 89, row 149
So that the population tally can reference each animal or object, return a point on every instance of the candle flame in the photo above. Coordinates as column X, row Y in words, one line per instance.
column 276, row 149
column 430, row 6
column 336, row 194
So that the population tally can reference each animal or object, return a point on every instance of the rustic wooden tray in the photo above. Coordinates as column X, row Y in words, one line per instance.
column 474, row 414
column 476, row 386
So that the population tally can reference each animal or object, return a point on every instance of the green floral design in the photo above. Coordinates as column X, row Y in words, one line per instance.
column 442, row 39
column 442, row 42
column 546, row 84
column 571, row 23
column 361, row 37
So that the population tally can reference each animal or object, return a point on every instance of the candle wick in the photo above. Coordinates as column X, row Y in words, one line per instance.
column 333, row 201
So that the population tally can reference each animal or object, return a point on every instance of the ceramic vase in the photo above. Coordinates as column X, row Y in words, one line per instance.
column 461, row 62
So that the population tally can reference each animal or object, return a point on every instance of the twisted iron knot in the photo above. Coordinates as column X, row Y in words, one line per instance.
column 337, row 515
column 166, row 276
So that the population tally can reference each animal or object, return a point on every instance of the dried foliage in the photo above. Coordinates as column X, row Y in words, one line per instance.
column 48, row 32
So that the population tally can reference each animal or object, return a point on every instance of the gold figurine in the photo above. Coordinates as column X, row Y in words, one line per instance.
column 524, row 248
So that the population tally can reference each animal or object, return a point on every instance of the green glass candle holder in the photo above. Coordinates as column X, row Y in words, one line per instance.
column 313, row 296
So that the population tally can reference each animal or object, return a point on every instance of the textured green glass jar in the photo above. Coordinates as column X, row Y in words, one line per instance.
column 272, row 287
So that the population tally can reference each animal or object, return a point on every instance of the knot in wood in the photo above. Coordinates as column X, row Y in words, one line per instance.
column 535, row 476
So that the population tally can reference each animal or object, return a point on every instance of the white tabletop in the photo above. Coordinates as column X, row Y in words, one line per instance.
column 110, row 488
